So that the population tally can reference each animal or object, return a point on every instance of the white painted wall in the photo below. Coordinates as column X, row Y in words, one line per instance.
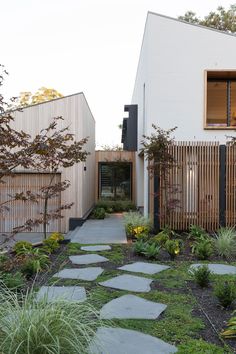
column 173, row 59
column 77, row 115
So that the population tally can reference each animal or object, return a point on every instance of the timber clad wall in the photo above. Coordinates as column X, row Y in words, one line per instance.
column 195, row 183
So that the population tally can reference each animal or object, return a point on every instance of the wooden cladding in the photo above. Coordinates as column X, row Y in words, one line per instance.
column 191, row 194
column 230, row 185
column 20, row 211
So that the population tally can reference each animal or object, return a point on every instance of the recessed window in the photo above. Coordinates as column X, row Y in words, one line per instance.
column 221, row 99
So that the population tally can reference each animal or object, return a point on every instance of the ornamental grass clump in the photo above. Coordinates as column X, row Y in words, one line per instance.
column 225, row 242
column 30, row 327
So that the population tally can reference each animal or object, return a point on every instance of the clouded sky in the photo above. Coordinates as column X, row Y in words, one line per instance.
column 82, row 45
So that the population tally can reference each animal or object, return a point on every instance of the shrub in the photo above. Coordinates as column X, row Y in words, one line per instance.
column 13, row 281
column 98, row 213
column 196, row 232
column 57, row 236
column 3, row 261
column 225, row 291
column 28, row 326
column 22, row 247
column 161, row 238
column 151, row 250
column 139, row 247
column 202, row 275
column 202, row 247
column 111, row 206
column 132, row 220
column 50, row 245
column 225, row 242
column 230, row 332
column 172, row 247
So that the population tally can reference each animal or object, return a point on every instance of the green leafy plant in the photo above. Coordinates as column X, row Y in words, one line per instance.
column 230, row 332
column 98, row 213
column 172, row 247
column 22, row 247
column 225, row 291
column 225, row 242
column 12, row 281
column 161, row 238
column 28, row 326
column 111, row 206
column 57, row 236
column 50, row 245
column 202, row 275
column 133, row 220
column 203, row 247
column 139, row 247
column 196, row 232
column 3, row 261
column 151, row 250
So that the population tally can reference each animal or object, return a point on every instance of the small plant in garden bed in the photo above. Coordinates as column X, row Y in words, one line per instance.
column 35, row 263
column 98, row 213
column 202, row 247
column 151, row 250
column 172, row 247
column 161, row 238
column 140, row 247
column 133, row 220
column 202, row 275
column 196, row 232
column 225, row 242
column 112, row 206
column 50, row 245
column 230, row 332
column 225, row 291
column 12, row 281
column 22, row 247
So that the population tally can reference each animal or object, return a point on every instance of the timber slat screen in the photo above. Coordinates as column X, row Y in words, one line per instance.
column 230, row 185
column 192, row 187
column 20, row 211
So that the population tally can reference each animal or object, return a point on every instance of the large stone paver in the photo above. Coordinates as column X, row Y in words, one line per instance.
column 88, row 274
column 124, row 341
column 131, row 307
column 61, row 293
column 144, row 267
column 96, row 248
column 109, row 230
column 88, row 259
column 128, row 282
column 220, row 269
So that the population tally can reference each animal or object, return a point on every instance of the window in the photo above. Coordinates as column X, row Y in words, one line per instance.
column 115, row 180
column 221, row 99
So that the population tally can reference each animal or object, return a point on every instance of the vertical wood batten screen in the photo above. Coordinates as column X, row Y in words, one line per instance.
column 194, row 182
column 230, row 185
column 20, row 211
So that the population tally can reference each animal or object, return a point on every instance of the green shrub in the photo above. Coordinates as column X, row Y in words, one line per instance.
column 22, row 247
column 202, row 247
column 202, row 275
column 225, row 291
column 3, row 261
column 151, row 250
column 196, row 232
column 98, row 213
column 134, row 220
column 50, row 245
column 161, row 238
column 172, row 247
column 139, row 247
column 32, row 327
column 57, row 236
column 230, row 332
column 111, row 206
column 14, row 281
column 225, row 242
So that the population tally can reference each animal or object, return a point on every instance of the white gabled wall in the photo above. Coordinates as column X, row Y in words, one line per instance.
column 172, row 64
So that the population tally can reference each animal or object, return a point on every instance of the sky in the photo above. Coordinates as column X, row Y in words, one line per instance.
column 82, row 45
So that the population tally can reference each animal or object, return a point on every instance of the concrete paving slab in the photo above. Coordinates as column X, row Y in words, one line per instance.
column 88, row 259
column 220, row 269
column 88, row 274
column 109, row 230
column 128, row 282
column 144, row 267
column 131, row 307
column 125, row 341
column 96, row 248
column 61, row 293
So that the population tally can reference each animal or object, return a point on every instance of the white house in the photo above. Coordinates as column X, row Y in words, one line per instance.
column 186, row 77
column 78, row 117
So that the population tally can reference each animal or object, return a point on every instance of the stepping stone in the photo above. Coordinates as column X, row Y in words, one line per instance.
column 88, row 274
column 125, row 341
column 88, row 259
column 220, row 269
column 131, row 307
column 61, row 293
column 128, row 282
column 143, row 267
column 96, row 248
